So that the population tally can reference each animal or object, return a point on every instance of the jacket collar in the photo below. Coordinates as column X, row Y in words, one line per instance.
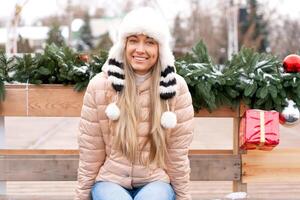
column 142, row 87
column 145, row 85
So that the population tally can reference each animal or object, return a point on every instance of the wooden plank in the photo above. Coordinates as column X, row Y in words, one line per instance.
column 243, row 108
column 76, row 152
column 281, row 165
column 215, row 167
column 41, row 100
column 239, row 186
column 210, row 190
column 42, row 167
column 39, row 152
column 221, row 112
column 15, row 102
column 2, row 145
column 38, row 167
column 58, row 100
column 208, row 151
column 36, row 197
column 55, row 101
column 235, row 135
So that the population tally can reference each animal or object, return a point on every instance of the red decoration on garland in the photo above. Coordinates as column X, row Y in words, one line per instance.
column 291, row 63
column 84, row 57
column 290, row 114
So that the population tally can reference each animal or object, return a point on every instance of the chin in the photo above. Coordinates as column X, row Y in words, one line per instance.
column 139, row 68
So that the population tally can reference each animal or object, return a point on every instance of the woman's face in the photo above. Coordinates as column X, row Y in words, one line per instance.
column 141, row 53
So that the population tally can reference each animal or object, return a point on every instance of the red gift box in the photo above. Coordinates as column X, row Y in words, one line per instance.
column 259, row 129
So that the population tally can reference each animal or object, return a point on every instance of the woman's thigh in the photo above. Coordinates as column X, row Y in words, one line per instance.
column 109, row 191
column 157, row 190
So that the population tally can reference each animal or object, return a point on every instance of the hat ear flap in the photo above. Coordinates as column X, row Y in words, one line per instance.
column 116, row 75
column 167, row 85
column 167, row 89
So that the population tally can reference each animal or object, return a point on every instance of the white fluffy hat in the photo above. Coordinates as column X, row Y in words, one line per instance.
column 149, row 22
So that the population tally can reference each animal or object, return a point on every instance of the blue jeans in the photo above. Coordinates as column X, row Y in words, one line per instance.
column 156, row 190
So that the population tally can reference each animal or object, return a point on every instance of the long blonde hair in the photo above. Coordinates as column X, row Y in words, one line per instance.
column 126, row 128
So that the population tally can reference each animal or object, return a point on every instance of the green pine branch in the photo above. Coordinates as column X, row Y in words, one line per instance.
column 257, row 79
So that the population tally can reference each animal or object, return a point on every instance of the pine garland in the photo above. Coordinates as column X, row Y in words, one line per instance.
column 5, row 68
column 205, row 80
column 257, row 79
column 259, row 82
column 56, row 65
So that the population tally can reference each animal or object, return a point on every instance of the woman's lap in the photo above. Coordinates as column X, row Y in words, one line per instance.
column 109, row 191
column 157, row 190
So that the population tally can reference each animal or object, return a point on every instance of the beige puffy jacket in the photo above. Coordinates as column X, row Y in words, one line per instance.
column 99, row 162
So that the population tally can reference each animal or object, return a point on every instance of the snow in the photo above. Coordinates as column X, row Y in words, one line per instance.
column 260, row 63
column 245, row 80
column 199, row 65
column 83, row 69
column 236, row 195
column 265, row 75
column 11, row 74
column 285, row 74
column 217, row 72
column 252, row 75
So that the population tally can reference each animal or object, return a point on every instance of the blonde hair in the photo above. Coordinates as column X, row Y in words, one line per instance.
column 126, row 137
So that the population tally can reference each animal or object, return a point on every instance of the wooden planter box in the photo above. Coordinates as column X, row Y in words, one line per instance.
column 41, row 100
column 62, row 101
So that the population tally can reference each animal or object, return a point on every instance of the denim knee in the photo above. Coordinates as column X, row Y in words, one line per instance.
column 109, row 191
column 157, row 190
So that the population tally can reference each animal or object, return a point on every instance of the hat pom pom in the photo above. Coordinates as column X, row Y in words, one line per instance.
column 112, row 111
column 168, row 119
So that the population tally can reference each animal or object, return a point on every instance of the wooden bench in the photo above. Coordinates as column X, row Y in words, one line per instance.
column 61, row 165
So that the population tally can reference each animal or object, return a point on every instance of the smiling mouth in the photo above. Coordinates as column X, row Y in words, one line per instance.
column 139, row 58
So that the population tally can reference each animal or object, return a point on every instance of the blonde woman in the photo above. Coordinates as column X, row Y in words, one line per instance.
column 136, row 120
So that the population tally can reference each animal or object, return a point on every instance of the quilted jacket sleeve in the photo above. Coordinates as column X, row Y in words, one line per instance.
column 91, row 144
column 178, row 165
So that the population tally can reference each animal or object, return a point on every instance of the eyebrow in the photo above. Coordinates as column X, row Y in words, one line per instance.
column 137, row 37
column 132, row 36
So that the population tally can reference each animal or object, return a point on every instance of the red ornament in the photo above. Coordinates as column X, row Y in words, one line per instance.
column 84, row 57
column 291, row 63
column 282, row 119
column 290, row 115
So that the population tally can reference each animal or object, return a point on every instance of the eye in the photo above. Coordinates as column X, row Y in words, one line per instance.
column 150, row 42
column 132, row 40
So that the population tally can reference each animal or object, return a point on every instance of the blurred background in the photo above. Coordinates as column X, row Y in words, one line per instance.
column 225, row 26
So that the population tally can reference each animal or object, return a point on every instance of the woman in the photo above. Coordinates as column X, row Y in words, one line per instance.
column 136, row 120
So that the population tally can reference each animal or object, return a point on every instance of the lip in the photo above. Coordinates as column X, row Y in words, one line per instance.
column 139, row 58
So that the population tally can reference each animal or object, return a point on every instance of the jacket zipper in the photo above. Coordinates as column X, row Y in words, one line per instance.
column 132, row 163
column 131, row 175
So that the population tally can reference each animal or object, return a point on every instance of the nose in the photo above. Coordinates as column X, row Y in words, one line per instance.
column 140, row 47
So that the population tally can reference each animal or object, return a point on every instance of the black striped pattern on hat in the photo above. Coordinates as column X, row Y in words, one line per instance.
column 116, row 74
column 167, row 85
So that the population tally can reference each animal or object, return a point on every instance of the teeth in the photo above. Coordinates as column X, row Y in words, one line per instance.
column 139, row 58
